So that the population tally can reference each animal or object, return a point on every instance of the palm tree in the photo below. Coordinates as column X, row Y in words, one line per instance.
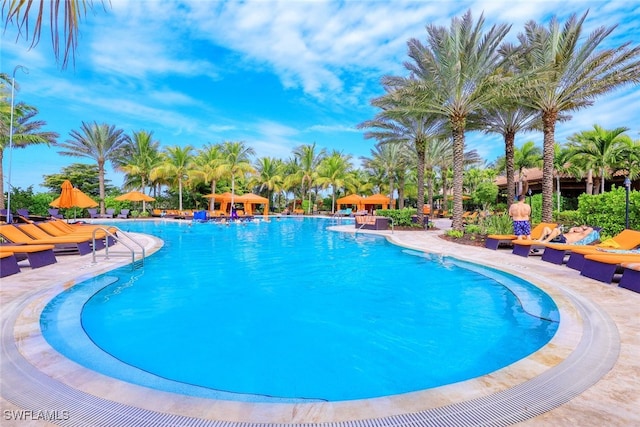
column 630, row 158
column 396, row 123
column 73, row 11
column 335, row 171
column 99, row 142
column 526, row 157
column 175, row 167
column 599, row 149
column 207, row 168
column 452, row 76
column 572, row 72
column 508, row 121
column 309, row 161
column 392, row 159
column 269, row 177
column 26, row 132
column 563, row 165
column 138, row 156
column 236, row 161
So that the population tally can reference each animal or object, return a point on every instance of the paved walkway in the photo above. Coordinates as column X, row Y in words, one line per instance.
column 612, row 401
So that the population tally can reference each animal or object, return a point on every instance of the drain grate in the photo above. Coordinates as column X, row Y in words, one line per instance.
column 595, row 355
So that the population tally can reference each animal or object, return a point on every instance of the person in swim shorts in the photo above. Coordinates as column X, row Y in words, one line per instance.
column 520, row 213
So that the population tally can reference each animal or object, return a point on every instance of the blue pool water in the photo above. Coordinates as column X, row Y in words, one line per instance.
column 286, row 310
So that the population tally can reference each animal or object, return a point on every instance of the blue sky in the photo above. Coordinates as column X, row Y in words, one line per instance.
column 273, row 74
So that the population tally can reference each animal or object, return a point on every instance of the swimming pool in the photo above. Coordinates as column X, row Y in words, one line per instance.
column 287, row 311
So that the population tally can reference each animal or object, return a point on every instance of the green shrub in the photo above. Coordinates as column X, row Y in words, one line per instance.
column 456, row 234
column 607, row 210
column 568, row 218
column 496, row 224
column 473, row 229
column 400, row 217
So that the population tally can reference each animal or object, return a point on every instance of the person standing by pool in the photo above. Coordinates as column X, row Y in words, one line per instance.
column 520, row 213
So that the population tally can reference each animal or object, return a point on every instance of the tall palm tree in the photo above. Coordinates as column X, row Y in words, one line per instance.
column 526, row 157
column 100, row 142
column 20, row 13
column 335, row 171
column 392, row 158
column 309, row 160
column 630, row 159
column 563, row 165
column 397, row 123
column 507, row 119
column 207, row 168
column 138, row 156
column 236, row 161
column 269, row 176
column 26, row 132
column 174, row 168
column 600, row 149
column 573, row 71
column 452, row 76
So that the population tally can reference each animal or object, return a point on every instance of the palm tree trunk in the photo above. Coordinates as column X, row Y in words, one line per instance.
column 509, row 155
column 212, row 202
column 458, row 170
column 589, row 188
column 392, row 203
column 420, row 149
column 180, row 193
column 101, row 185
column 558, row 191
column 549, row 119
column 602, row 181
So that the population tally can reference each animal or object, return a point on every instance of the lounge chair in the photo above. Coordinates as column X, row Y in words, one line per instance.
column 93, row 213
column 38, row 255
column 368, row 222
column 631, row 276
column 525, row 247
column 494, row 240
column 602, row 266
column 124, row 213
column 54, row 213
column 23, row 212
column 6, row 216
column 80, row 245
column 109, row 213
column 44, row 230
column 8, row 264
column 553, row 252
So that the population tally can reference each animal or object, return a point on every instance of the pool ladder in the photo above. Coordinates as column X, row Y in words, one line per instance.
column 135, row 263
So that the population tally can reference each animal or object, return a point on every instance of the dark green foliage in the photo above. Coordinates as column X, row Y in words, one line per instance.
column 36, row 204
column 400, row 217
column 82, row 176
column 607, row 210
column 496, row 224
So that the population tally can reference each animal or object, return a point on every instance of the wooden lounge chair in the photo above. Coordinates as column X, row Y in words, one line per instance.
column 8, row 264
column 631, row 276
column 626, row 240
column 78, row 245
column 38, row 255
column 602, row 266
column 44, row 230
column 494, row 240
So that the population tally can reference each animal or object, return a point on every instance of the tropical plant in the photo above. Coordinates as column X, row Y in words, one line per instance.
column 174, row 167
column 98, row 142
column 137, row 158
column 335, row 171
column 26, row 130
column 452, row 76
column 20, row 14
column 236, row 161
column 599, row 149
column 207, row 168
column 269, row 176
column 308, row 160
column 571, row 73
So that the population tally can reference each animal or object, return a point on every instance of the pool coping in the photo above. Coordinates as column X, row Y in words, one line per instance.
column 456, row 400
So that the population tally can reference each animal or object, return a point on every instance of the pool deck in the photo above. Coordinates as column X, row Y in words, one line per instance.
column 32, row 366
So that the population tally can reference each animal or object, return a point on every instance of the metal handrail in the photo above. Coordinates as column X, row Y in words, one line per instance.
column 119, row 240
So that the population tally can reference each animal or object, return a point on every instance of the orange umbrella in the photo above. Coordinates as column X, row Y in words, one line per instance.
column 78, row 200
column 66, row 195
column 135, row 196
